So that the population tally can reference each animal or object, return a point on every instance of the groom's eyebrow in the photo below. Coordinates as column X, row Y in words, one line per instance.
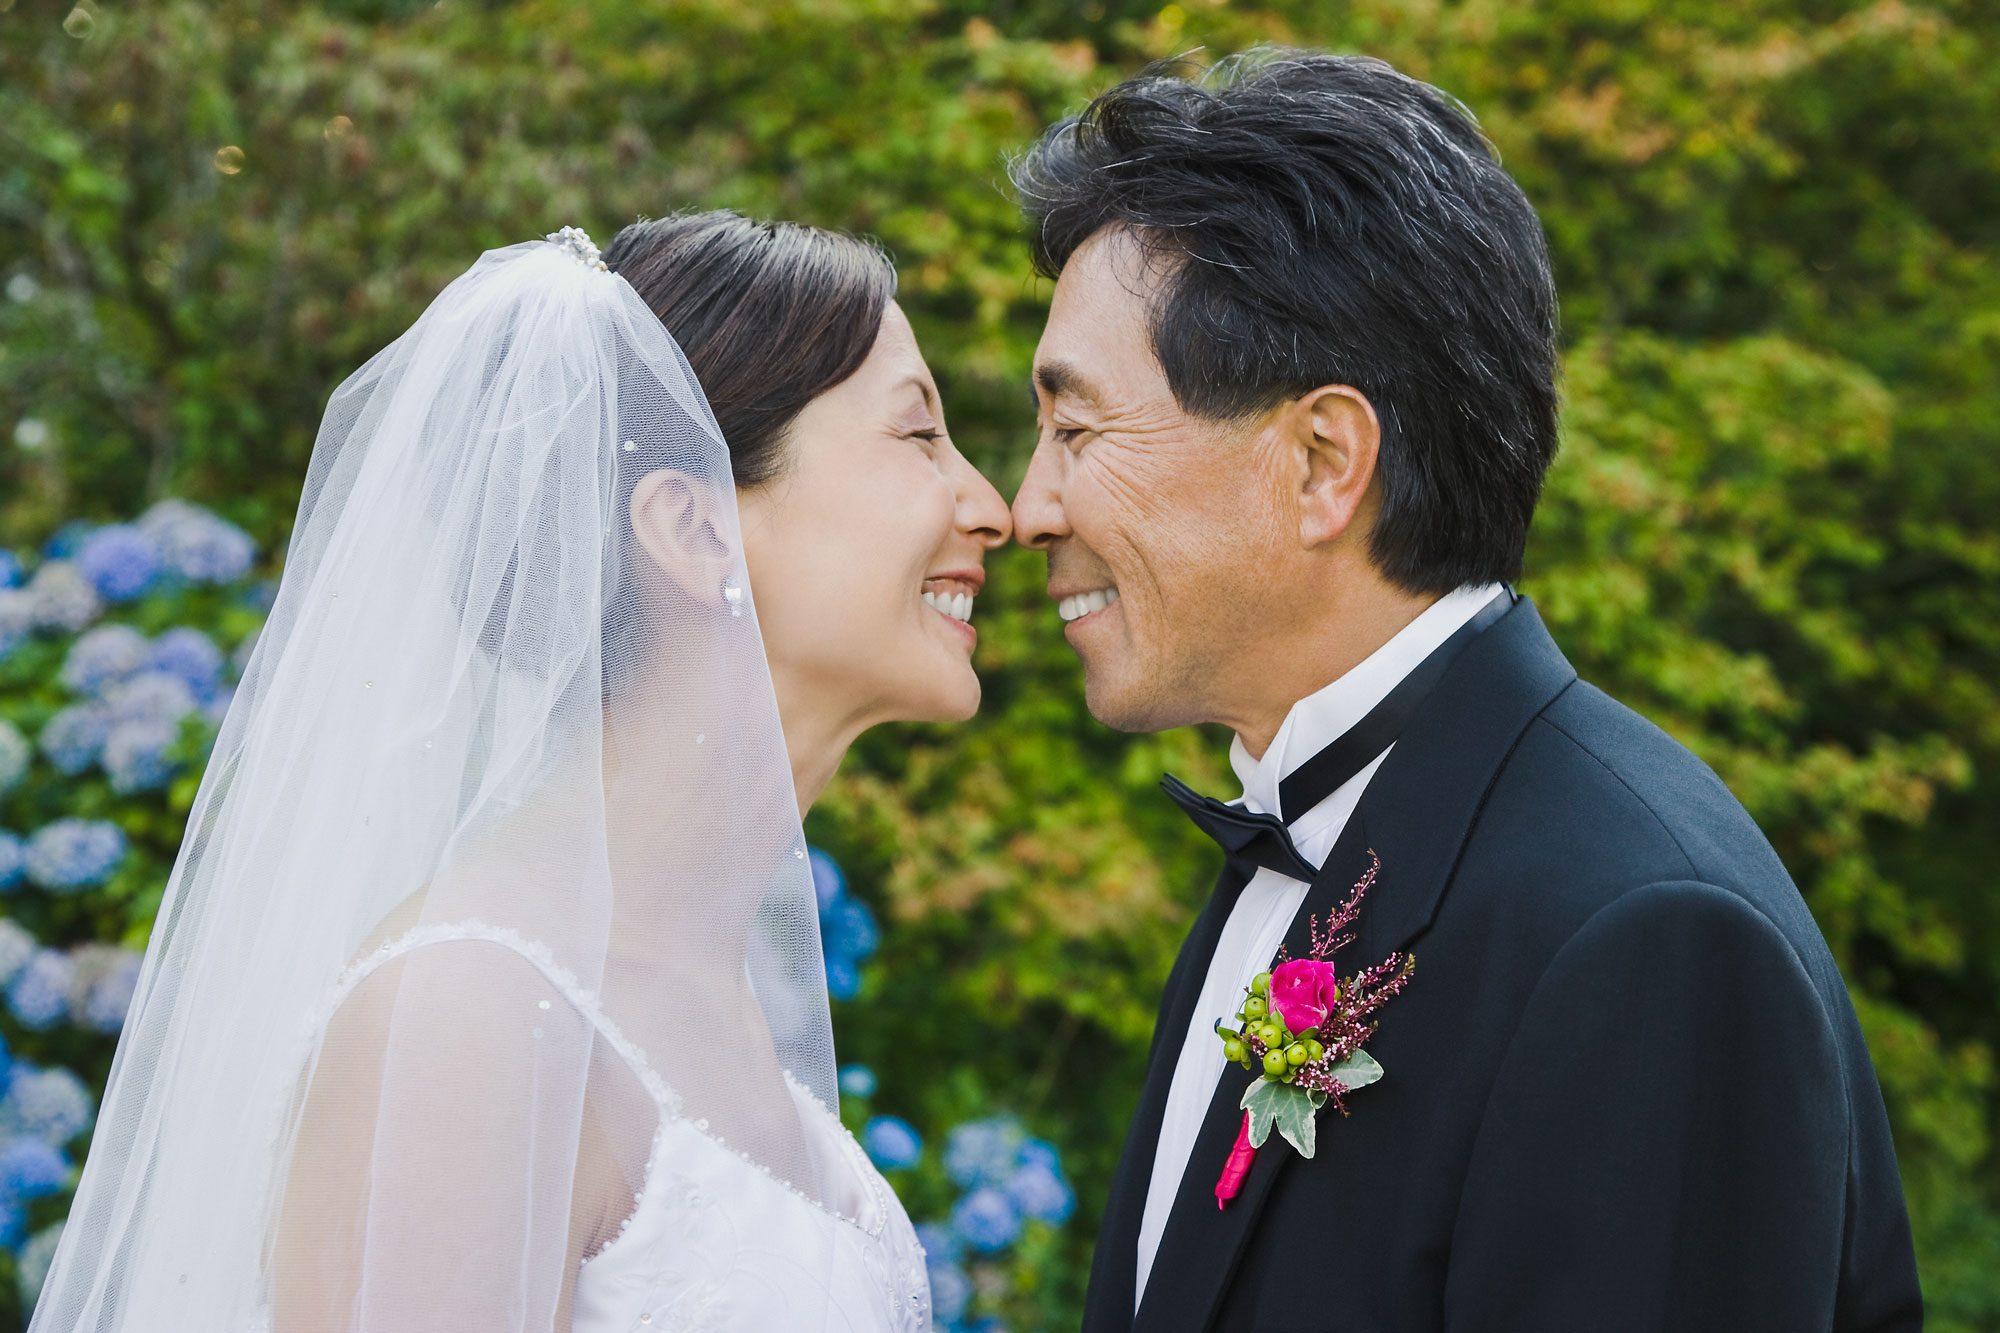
column 1059, row 379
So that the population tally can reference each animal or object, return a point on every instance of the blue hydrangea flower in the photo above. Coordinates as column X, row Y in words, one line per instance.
column 849, row 929
column 828, row 881
column 1041, row 1152
column 72, row 854
column 17, row 946
column 150, row 696
column 31, row 1168
column 188, row 653
column 983, row 1153
column 12, row 1222
column 6, row 1062
column 61, row 598
column 196, row 544
column 38, row 996
column 62, row 543
column 987, row 1220
column 951, row 1292
column 52, row 1104
column 892, row 1143
column 1042, row 1194
column 74, row 738
column 135, row 755
column 120, row 561
column 10, row 569
column 14, row 755
column 239, row 657
column 109, row 1000
column 17, row 618
column 855, row 1080
column 939, row 1241
column 102, row 657
column 33, row 1260
column 843, row 978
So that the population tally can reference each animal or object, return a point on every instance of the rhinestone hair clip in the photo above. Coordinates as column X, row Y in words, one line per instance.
column 576, row 242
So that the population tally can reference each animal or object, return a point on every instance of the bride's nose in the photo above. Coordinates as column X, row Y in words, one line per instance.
column 982, row 512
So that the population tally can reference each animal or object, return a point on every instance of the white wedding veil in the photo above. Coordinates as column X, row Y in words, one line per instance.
column 497, row 854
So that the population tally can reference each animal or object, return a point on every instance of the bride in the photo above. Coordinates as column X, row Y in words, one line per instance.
column 486, row 992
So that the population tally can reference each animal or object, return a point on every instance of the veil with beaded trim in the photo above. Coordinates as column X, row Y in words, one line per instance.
column 497, row 845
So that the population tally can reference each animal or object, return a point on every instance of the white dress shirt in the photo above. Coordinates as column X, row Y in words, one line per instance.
column 1258, row 922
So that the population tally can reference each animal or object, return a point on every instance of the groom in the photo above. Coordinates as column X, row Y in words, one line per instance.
column 1296, row 399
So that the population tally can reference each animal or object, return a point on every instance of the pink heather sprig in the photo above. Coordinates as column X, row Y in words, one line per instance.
column 1330, row 940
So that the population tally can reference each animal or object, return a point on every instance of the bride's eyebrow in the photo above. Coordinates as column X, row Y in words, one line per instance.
column 929, row 398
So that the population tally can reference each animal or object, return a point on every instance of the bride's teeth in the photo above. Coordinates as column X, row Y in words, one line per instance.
column 956, row 605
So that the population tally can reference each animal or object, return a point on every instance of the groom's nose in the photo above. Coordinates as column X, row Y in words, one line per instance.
column 1038, row 511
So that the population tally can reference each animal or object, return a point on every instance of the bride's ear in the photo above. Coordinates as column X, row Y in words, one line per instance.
column 676, row 520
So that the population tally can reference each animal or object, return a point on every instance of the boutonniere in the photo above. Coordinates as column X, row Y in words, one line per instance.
column 1300, row 1028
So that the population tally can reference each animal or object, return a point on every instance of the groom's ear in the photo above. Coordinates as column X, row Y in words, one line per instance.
column 676, row 519
column 1336, row 438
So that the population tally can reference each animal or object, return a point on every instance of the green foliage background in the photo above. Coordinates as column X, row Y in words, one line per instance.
column 1774, row 228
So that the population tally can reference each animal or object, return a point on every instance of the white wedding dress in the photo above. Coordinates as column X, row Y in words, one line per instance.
column 715, row 1243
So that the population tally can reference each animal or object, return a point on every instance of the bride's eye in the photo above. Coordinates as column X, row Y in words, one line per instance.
column 927, row 436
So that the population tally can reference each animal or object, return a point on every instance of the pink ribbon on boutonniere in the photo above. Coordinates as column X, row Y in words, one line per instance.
column 1237, row 1167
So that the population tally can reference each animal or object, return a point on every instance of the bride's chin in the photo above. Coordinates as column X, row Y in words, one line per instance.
column 956, row 699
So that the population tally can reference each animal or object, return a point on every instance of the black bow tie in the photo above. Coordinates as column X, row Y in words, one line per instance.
column 1251, row 840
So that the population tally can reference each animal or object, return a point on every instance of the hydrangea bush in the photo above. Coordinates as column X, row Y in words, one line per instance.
column 113, row 679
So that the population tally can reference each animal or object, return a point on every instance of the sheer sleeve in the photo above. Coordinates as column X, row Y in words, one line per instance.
column 432, row 1179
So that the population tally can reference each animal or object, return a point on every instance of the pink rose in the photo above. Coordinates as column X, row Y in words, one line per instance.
column 1303, row 992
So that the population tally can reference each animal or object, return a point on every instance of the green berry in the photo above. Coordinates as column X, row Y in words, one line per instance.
column 1274, row 1063
column 1296, row 1054
column 1261, row 984
column 1255, row 1007
column 1314, row 1051
column 1232, row 1050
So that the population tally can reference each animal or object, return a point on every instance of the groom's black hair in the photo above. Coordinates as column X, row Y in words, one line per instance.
column 1329, row 220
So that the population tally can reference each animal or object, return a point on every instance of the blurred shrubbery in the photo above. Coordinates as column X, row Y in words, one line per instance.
column 1774, row 227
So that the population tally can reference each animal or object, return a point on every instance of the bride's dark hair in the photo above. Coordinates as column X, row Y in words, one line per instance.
column 769, row 314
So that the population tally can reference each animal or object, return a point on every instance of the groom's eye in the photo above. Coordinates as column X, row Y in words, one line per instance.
column 1064, row 434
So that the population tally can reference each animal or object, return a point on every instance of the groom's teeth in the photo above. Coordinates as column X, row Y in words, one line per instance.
column 1084, row 603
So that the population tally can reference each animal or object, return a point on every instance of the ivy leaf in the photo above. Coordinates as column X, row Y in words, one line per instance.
column 1357, row 1071
column 1281, row 1105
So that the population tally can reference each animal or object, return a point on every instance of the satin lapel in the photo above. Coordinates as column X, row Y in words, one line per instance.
column 1114, row 1266
column 1427, row 795
column 1416, row 813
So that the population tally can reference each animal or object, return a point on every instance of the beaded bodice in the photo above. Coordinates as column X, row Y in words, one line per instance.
column 714, row 1241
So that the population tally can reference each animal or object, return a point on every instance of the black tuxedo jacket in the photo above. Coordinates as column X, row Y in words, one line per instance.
column 1625, row 1089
